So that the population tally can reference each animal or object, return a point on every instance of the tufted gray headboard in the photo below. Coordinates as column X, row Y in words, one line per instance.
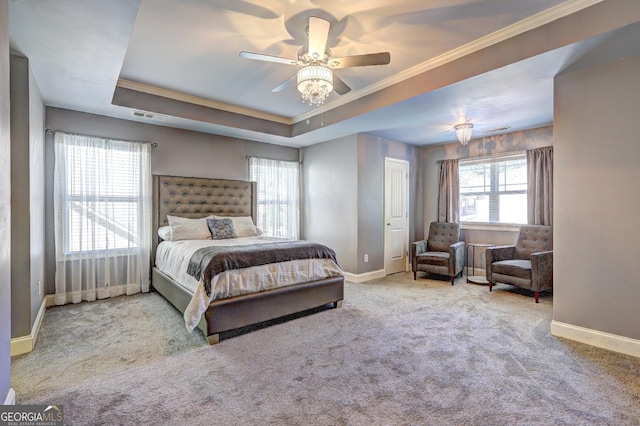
column 199, row 197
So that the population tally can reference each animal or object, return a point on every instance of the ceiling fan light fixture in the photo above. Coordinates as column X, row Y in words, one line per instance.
column 463, row 132
column 315, row 82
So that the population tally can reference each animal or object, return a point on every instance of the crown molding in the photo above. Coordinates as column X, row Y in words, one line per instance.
column 197, row 100
column 527, row 24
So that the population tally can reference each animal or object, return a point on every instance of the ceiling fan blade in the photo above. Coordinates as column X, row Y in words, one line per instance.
column 268, row 58
column 382, row 58
column 285, row 84
column 318, row 34
column 340, row 86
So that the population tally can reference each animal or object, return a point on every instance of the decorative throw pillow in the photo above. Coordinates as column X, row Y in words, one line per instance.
column 243, row 225
column 183, row 228
column 221, row 229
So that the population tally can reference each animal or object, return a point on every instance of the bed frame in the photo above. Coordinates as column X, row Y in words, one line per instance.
column 201, row 197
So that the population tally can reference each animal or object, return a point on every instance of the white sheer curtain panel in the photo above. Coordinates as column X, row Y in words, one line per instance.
column 278, row 196
column 102, row 208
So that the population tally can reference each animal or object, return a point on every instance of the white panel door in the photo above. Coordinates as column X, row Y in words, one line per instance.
column 396, row 215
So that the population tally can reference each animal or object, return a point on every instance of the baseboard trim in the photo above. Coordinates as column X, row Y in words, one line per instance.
column 50, row 299
column 25, row 344
column 11, row 398
column 600, row 339
column 367, row 276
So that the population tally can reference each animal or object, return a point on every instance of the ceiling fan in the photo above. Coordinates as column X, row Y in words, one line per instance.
column 315, row 79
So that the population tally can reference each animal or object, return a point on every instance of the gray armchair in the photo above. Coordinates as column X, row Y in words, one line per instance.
column 528, row 264
column 442, row 253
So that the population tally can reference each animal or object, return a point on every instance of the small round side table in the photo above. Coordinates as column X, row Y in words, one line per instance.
column 473, row 278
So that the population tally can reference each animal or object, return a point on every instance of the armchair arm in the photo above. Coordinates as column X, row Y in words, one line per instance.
column 456, row 258
column 417, row 248
column 496, row 253
column 542, row 270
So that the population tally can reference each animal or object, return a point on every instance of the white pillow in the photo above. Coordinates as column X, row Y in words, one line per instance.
column 164, row 232
column 183, row 228
column 243, row 225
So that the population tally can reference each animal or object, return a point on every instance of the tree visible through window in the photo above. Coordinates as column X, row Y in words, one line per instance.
column 494, row 190
column 278, row 196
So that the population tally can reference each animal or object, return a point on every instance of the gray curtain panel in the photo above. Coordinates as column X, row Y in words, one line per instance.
column 448, row 192
column 540, row 186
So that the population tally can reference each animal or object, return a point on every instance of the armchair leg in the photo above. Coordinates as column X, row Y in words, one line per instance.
column 490, row 286
column 414, row 275
column 453, row 277
column 536, row 295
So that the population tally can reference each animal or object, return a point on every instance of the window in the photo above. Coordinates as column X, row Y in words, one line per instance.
column 102, row 208
column 278, row 196
column 494, row 190
column 99, row 189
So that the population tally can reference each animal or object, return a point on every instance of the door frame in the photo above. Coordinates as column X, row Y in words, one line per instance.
column 406, row 163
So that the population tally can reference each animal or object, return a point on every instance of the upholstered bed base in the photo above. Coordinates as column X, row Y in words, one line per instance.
column 199, row 197
column 235, row 312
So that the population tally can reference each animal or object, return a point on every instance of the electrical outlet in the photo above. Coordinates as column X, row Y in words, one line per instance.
column 366, row 258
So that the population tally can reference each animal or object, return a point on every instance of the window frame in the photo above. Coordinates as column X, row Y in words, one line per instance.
column 72, row 197
column 67, row 236
column 494, row 192
column 270, row 202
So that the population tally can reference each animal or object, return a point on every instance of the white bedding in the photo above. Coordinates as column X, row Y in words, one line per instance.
column 172, row 258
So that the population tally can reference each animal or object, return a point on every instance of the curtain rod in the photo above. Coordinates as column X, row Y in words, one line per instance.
column 50, row 132
column 498, row 155
column 247, row 156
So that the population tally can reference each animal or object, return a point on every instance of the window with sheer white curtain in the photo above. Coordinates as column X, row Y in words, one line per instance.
column 102, row 208
column 278, row 196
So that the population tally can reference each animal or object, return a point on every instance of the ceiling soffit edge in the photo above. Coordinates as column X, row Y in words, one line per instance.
column 229, row 115
column 515, row 29
column 197, row 100
column 130, row 98
column 538, row 40
column 503, row 34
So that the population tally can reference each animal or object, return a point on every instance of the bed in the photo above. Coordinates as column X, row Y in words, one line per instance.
column 191, row 197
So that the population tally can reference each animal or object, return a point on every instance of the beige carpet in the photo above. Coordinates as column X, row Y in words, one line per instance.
column 398, row 352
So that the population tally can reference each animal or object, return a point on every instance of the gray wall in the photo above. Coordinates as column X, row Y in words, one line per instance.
column 37, row 195
column 179, row 152
column 27, row 197
column 330, row 193
column 515, row 141
column 20, row 232
column 5, row 207
column 343, row 183
column 596, row 200
column 371, row 158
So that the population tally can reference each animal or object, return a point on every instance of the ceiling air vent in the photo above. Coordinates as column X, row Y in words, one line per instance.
column 496, row 130
column 149, row 115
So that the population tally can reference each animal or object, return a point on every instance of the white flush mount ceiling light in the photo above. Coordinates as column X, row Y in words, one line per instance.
column 463, row 132
column 315, row 82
